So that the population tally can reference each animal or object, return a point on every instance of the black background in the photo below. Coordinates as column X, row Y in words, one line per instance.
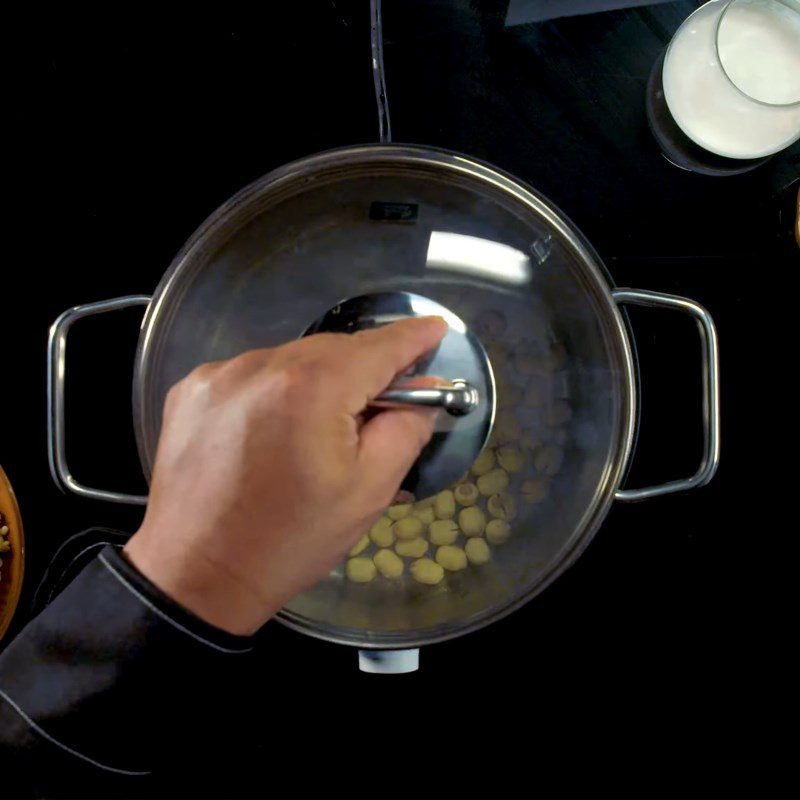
column 663, row 662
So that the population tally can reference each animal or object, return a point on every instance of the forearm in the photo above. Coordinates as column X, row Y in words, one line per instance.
column 111, row 674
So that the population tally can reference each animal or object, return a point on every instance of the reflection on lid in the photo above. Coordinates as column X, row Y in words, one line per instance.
column 479, row 257
column 423, row 307
column 419, row 309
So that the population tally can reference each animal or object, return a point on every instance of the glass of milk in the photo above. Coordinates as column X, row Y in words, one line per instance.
column 732, row 76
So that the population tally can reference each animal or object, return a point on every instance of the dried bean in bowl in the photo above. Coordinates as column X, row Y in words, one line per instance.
column 493, row 482
column 426, row 570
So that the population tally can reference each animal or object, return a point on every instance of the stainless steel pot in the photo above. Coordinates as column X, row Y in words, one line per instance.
column 406, row 221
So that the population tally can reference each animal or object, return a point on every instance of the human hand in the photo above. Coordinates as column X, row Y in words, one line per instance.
column 267, row 472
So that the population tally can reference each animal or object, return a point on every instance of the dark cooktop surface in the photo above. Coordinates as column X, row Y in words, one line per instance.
column 660, row 663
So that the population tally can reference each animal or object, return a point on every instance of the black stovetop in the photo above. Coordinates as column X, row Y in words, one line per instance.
column 660, row 662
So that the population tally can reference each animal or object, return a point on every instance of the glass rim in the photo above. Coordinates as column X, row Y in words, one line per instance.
column 793, row 6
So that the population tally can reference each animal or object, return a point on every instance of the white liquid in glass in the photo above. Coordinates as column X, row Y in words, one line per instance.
column 762, row 56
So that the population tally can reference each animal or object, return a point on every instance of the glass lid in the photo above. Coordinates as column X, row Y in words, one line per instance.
column 540, row 330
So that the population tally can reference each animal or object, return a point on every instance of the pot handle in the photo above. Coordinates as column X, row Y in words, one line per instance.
column 388, row 662
column 710, row 354
column 56, row 370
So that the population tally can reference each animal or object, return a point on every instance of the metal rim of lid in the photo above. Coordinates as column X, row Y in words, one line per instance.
column 244, row 205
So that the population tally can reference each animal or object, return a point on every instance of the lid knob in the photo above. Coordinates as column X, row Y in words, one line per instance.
column 458, row 398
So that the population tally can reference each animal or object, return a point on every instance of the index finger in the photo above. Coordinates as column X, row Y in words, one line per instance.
column 382, row 353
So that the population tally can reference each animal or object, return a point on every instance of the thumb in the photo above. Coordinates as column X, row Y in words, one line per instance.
column 390, row 443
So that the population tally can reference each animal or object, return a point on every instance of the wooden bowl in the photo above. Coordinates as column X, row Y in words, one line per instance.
column 13, row 562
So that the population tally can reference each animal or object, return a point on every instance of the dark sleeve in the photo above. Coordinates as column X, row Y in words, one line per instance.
column 109, row 677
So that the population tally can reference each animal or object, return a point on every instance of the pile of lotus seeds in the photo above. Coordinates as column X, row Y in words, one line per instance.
column 458, row 527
